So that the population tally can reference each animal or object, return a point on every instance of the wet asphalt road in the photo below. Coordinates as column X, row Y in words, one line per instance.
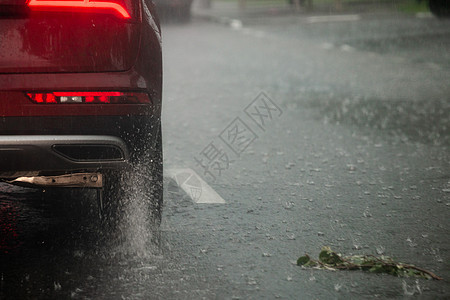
column 355, row 155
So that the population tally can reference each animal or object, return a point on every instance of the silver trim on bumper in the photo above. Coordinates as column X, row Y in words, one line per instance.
column 22, row 155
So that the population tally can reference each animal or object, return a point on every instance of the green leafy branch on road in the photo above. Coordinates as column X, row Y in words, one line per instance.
column 330, row 260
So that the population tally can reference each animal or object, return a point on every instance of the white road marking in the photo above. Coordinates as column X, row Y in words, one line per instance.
column 347, row 48
column 194, row 186
column 335, row 18
column 236, row 24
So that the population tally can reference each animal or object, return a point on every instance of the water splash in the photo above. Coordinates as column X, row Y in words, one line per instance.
column 137, row 231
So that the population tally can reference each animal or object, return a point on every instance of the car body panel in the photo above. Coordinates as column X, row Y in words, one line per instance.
column 62, row 44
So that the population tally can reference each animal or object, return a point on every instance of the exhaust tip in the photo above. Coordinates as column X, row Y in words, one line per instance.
column 90, row 152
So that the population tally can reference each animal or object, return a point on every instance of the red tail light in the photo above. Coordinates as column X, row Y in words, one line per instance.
column 114, row 6
column 89, row 97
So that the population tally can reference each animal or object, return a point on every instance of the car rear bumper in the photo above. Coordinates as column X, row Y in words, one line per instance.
column 30, row 155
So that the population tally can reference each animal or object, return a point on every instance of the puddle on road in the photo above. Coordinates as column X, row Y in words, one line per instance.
column 52, row 246
column 425, row 122
column 61, row 253
column 417, row 47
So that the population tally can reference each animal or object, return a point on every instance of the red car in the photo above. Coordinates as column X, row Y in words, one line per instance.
column 80, row 95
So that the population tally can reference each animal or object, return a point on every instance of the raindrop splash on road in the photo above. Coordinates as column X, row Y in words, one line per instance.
column 137, row 229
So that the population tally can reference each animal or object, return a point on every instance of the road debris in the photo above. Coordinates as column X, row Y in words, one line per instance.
column 330, row 260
